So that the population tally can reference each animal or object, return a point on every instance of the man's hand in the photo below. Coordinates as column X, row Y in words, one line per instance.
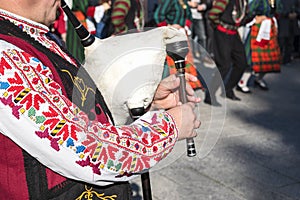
column 192, row 4
column 186, row 120
column 167, row 93
column 106, row 6
column 201, row 7
column 167, row 97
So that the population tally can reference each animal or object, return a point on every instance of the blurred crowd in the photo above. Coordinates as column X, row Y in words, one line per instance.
column 246, row 39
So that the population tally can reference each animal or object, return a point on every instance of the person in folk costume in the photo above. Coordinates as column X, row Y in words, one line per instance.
column 97, row 14
column 127, row 15
column 289, row 29
column 57, row 136
column 79, row 8
column 261, row 42
column 59, row 27
column 177, row 13
column 199, row 27
column 229, row 53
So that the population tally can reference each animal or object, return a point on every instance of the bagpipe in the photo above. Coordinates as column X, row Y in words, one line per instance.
column 128, row 68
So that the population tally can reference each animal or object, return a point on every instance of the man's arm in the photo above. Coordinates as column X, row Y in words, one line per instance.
column 216, row 10
column 161, row 12
column 52, row 129
column 119, row 13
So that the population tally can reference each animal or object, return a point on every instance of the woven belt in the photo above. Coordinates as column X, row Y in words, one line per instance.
column 225, row 30
column 228, row 26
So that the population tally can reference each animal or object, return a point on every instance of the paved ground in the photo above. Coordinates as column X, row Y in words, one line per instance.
column 246, row 150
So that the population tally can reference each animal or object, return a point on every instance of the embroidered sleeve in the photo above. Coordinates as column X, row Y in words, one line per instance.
column 119, row 13
column 216, row 10
column 36, row 116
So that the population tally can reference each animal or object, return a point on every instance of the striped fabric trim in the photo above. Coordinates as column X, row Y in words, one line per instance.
column 120, row 10
column 218, row 8
column 171, row 12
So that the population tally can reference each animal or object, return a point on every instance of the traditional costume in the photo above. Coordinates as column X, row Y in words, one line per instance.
column 262, row 49
column 127, row 15
column 289, row 30
column 73, row 43
column 229, row 53
column 57, row 135
column 261, row 43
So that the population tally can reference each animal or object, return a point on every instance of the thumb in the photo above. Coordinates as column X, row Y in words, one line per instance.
column 171, row 82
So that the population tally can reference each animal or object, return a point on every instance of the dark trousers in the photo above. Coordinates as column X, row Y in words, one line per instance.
column 286, row 47
column 230, row 58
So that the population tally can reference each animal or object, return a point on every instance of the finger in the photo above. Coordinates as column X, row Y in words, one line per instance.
column 193, row 99
column 191, row 104
column 190, row 77
column 189, row 89
column 167, row 103
column 169, row 78
column 170, row 83
column 166, row 87
column 197, row 124
column 194, row 134
column 176, row 99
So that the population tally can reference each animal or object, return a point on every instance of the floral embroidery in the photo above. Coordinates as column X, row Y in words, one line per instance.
column 27, row 88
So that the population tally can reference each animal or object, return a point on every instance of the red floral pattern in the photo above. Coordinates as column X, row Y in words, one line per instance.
column 27, row 88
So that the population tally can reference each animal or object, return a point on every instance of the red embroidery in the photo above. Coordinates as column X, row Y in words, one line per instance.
column 67, row 131
column 26, row 56
column 51, row 113
column 142, row 164
column 126, row 160
column 103, row 155
column 16, row 80
column 90, row 144
column 51, row 122
column 112, row 151
column 154, row 138
column 4, row 65
column 15, row 89
column 55, row 122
